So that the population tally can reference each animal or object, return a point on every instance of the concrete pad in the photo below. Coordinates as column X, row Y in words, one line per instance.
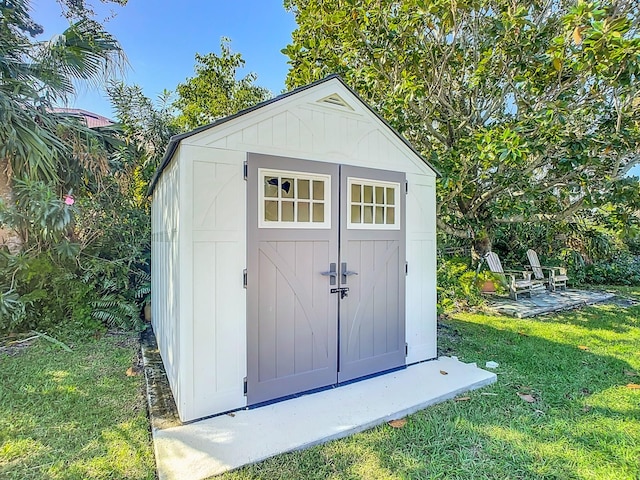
column 215, row 445
column 547, row 302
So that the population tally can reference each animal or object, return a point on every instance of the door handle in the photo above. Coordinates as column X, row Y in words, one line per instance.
column 346, row 273
column 332, row 274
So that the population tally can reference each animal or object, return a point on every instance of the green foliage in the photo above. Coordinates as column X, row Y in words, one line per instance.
column 457, row 286
column 39, row 215
column 146, row 128
column 81, row 265
column 215, row 91
column 528, row 109
column 621, row 269
column 12, row 310
column 34, row 76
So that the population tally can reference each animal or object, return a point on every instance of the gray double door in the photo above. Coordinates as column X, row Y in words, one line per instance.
column 325, row 274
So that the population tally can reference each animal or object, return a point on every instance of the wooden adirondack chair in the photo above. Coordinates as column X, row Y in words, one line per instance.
column 557, row 275
column 516, row 285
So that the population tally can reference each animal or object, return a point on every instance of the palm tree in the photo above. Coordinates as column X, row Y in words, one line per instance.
column 35, row 142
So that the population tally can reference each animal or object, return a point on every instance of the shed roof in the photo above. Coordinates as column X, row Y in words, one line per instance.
column 176, row 139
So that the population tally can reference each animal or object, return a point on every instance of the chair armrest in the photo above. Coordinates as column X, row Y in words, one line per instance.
column 526, row 274
column 559, row 270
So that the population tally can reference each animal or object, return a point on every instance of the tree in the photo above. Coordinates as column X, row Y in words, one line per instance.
column 35, row 142
column 146, row 128
column 35, row 75
column 530, row 109
column 215, row 91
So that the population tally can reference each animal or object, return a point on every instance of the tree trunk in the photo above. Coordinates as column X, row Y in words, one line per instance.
column 8, row 236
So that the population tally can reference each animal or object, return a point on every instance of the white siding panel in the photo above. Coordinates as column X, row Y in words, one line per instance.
column 421, row 280
column 250, row 135
column 212, row 182
column 219, row 313
column 265, row 134
column 165, row 280
column 218, row 239
column 279, row 132
column 185, row 403
column 293, row 131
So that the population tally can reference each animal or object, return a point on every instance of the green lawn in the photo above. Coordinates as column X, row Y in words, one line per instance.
column 77, row 415
column 585, row 423
column 74, row 415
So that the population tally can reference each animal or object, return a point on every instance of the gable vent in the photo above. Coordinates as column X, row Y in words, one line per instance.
column 335, row 100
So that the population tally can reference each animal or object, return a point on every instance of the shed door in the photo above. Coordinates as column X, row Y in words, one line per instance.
column 309, row 239
column 372, row 255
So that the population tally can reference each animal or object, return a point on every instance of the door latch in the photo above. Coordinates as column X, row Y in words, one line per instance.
column 342, row 290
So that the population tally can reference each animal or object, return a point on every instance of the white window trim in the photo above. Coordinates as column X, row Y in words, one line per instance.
column 374, row 183
column 268, row 172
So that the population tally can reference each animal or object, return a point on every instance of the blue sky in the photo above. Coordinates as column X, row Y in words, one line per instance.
column 161, row 38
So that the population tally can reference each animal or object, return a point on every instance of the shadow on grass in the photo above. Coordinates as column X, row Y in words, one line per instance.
column 584, row 423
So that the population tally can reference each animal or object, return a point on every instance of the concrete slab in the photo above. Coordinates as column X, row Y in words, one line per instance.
column 547, row 302
column 215, row 445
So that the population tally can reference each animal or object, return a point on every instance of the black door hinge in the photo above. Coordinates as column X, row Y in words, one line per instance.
column 406, row 349
column 244, row 278
column 406, row 186
column 406, row 268
column 245, row 386
column 246, row 170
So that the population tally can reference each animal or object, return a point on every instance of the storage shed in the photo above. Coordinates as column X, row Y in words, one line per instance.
column 293, row 249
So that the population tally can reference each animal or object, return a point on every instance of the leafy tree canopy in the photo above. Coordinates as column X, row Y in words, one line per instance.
column 530, row 109
column 215, row 91
column 37, row 75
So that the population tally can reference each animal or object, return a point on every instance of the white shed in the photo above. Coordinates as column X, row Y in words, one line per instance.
column 293, row 249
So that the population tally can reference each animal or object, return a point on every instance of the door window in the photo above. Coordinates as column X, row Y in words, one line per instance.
column 373, row 204
column 293, row 199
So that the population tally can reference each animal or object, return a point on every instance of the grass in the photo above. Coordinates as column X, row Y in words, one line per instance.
column 584, row 424
column 76, row 415
column 73, row 415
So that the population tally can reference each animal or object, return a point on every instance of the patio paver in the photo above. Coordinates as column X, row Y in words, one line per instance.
column 547, row 302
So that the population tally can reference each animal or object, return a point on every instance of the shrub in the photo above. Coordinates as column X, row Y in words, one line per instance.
column 83, row 264
column 622, row 269
column 456, row 284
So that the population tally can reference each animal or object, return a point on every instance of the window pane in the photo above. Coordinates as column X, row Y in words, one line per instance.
column 368, row 214
column 355, row 193
column 391, row 196
column 288, row 189
column 271, row 211
column 303, row 211
column 318, row 212
column 303, row 189
column 287, row 211
column 380, row 196
column 318, row 191
column 368, row 194
column 391, row 216
column 379, row 215
column 271, row 187
column 355, row 214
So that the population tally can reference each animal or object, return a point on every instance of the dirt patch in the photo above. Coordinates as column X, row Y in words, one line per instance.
column 123, row 339
column 448, row 337
column 13, row 345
